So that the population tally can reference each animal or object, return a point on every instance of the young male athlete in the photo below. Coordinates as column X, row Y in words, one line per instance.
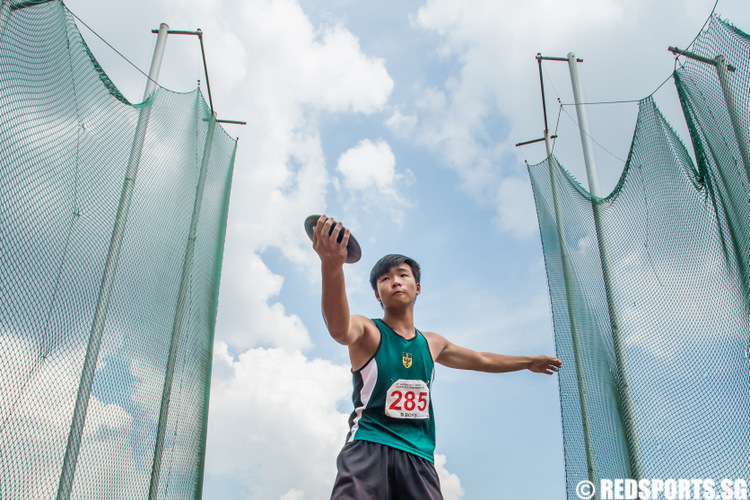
column 389, row 450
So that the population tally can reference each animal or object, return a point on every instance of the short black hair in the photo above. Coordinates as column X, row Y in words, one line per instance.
column 389, row 261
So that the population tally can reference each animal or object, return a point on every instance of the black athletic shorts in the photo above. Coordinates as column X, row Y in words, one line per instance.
column 371, row 471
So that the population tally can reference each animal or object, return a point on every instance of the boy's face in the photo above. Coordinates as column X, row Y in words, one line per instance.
column 397, row 286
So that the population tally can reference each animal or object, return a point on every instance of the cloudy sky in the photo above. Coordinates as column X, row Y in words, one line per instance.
column 399, row 118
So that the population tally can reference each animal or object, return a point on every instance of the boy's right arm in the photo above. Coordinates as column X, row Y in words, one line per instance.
column 343, row 327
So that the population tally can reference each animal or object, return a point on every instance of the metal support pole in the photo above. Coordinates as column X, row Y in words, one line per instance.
column 205, row 67
column 740, row 132
column 626, row 394
column 153, row 73
column 570, row 298
column 583, row 126
column 572, row 318
column 567, row 280
column 735, row 114
column 105, row 291
column 180, row 312
column 199, row 34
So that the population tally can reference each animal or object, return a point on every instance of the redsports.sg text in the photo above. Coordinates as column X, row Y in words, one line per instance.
column 665, row 489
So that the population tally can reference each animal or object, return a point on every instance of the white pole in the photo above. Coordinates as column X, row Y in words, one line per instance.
column 153, row 72
column 740, row 132
column 583, row 126
column 105, row 291
column 180, row 312
column 626, row 393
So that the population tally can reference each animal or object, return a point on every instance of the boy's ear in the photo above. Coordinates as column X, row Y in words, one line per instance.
column 419, row 288
column 377, row 295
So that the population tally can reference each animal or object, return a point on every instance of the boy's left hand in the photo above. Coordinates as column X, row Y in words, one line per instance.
column 545, row 364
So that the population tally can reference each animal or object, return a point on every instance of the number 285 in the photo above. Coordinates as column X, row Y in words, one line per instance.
column 408, row 401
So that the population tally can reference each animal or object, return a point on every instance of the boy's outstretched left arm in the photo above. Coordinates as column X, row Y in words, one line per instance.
column 454, row 356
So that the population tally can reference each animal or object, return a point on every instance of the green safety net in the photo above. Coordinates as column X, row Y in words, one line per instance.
column 649, row 289
column 67, row 140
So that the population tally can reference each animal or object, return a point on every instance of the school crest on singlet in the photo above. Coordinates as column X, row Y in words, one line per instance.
column 406, row 359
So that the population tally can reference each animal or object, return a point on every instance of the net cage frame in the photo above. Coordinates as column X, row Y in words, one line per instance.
column 66, row 138
column 649, row 287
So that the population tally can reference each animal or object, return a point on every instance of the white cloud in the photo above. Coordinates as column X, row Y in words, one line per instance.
column 281, row 73
column 274, row 424
column 494, row 44
column 147, row 388
column 367, row 165
column 228, row 57
column 350, row 81
column 36, row 423
column 319, row 66
column 515, row 207
column 369, row 175
column 275, row 427
column 293, row 495
column 255, row 317
column 109, row 433
column 295, row 72
column 402, row 125
column 450, row 484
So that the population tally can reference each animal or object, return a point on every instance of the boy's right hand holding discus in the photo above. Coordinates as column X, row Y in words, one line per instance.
column 325, row 241
column 331, row 240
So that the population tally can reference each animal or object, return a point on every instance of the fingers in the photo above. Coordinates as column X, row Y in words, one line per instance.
column 323, row 227
column 548, row 365
column 327, row 233
column 553, row 365
column 327, row 227
column 317, row 229
column 334, row 234
column 345, row 240
column 323, row 224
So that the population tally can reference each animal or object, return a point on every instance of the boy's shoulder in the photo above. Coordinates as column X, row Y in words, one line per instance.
column 367, row 325
column 362, row 320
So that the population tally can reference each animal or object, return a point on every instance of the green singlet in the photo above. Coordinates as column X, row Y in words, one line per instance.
column 392, row 398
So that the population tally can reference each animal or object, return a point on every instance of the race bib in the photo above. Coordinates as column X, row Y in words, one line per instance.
column 408, row 399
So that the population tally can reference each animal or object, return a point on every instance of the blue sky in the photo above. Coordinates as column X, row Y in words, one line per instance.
column 399, row 118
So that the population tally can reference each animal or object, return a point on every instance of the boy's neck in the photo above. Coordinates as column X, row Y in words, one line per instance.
column 402, row 322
